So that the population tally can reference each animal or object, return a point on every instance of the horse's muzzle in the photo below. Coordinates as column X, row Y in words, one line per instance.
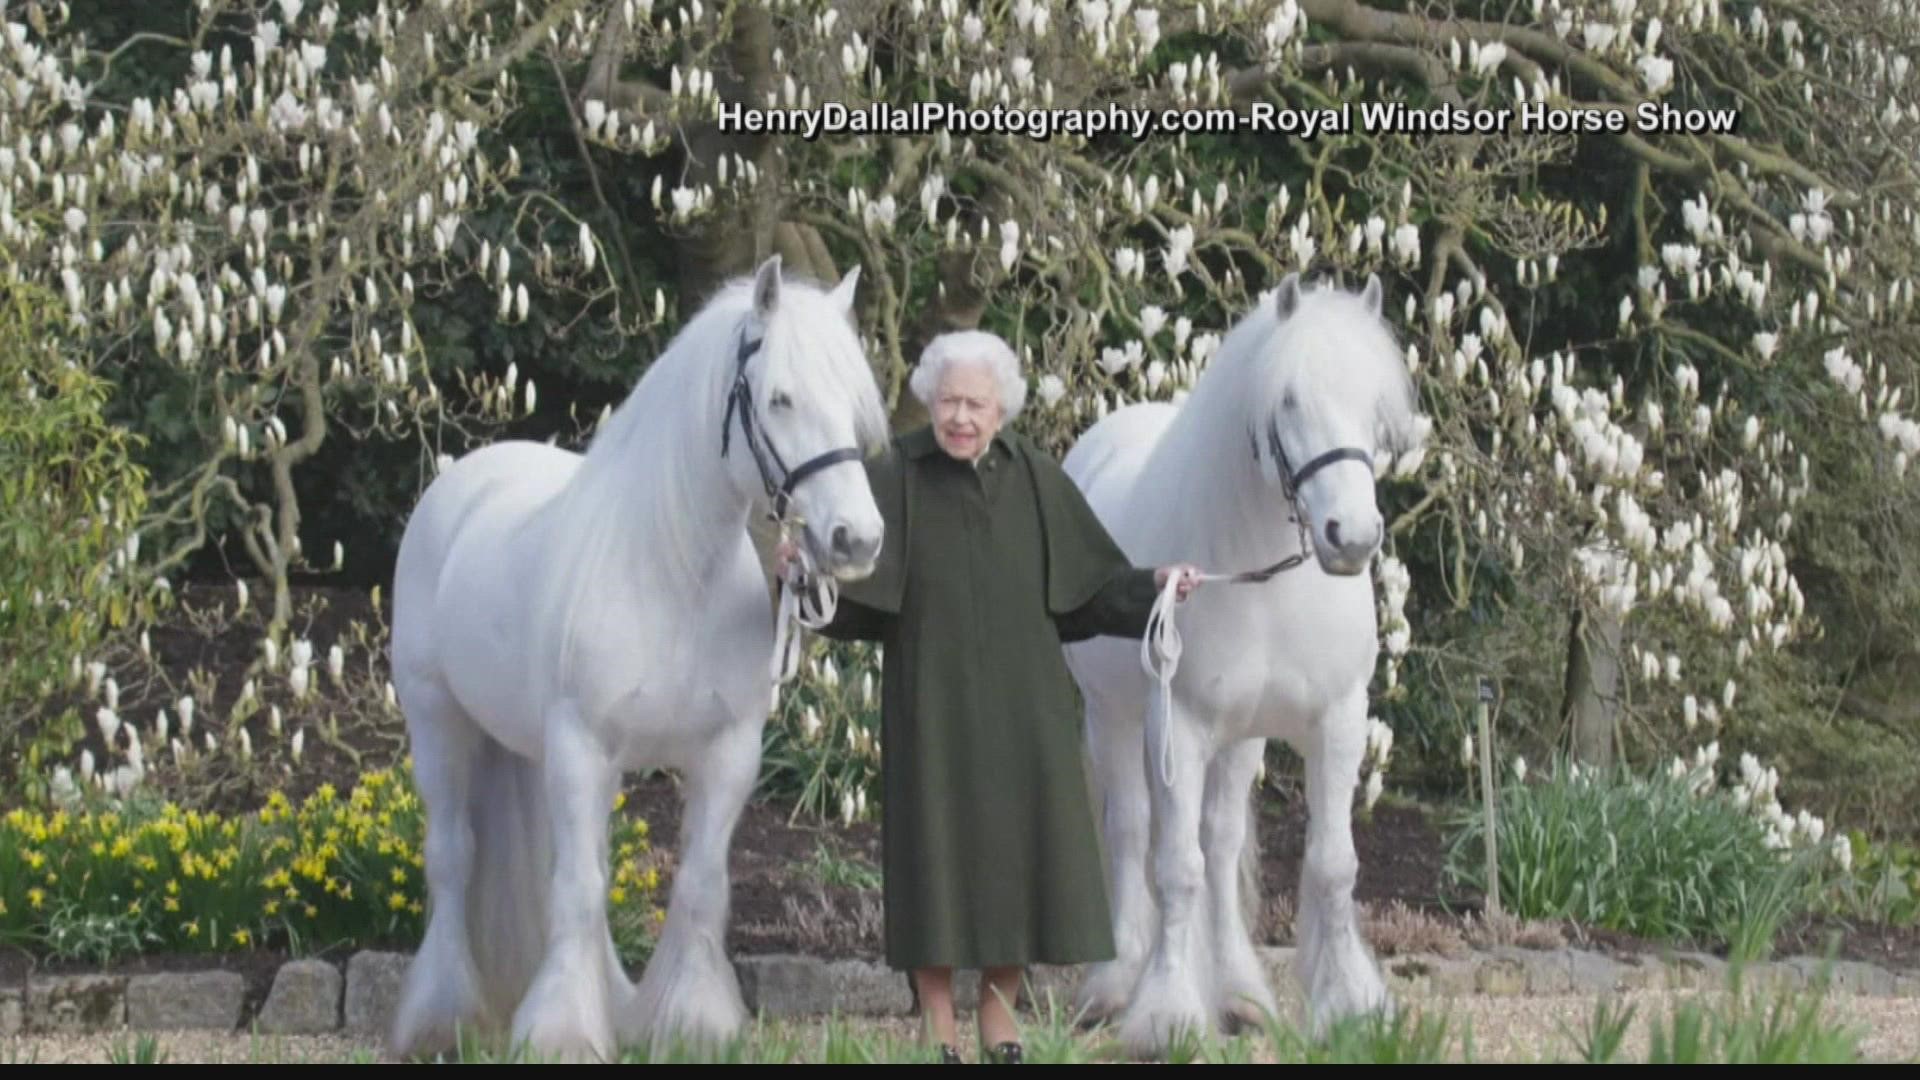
column 1345, row 552
column 850, row 554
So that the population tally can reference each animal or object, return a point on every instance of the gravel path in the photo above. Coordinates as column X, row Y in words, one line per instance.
column 178, row 1047
column 1521, row 1029
column 1504, row 1029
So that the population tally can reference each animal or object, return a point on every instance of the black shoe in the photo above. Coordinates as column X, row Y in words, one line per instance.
column 1007, row 1053
column 949, row 1056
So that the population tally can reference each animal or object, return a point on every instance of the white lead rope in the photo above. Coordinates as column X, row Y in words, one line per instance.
column 807, row 600
column 1160, row 657
column 1160, row 646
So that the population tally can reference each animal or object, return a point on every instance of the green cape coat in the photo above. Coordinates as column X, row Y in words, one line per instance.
column 990, row 853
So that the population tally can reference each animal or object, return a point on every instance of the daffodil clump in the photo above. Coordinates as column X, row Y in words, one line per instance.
column 334, row 870
column 636, row 881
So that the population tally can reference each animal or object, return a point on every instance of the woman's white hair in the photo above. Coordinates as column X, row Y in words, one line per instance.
column 971, row 346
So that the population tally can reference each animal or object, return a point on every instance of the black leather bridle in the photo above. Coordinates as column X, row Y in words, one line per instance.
column 765, row 456
column 806, row 598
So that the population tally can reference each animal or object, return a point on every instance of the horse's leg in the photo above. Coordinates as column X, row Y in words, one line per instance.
column 566, row 1011
column 1336, row 971
column 623, row 1002
column 689, row 994
column 1169, row 999
column 442, row 990
column 1115, row 741
column 1244, row 992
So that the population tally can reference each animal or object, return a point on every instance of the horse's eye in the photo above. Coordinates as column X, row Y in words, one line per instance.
column 1288, row 402
column 780, row 401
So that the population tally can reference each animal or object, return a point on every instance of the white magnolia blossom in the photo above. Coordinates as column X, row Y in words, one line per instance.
column 1051, row 389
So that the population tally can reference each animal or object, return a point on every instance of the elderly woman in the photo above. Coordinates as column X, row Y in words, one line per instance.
column 992, row 560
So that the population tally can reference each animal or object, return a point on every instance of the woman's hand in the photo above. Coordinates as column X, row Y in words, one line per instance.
column 784, row 556
column 1189, row 579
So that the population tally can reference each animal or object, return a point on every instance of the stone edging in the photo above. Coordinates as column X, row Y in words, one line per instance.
column 311, row 997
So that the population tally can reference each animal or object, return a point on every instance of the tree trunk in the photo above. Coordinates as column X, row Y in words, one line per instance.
column 803, row 252
column 1591, row 705
column 732, row 242
column 958, row 305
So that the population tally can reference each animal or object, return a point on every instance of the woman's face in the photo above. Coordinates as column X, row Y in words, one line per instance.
column 966, row 410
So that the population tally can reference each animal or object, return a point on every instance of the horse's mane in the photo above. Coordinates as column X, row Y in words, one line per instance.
column 651, row 485
column 1339, row 355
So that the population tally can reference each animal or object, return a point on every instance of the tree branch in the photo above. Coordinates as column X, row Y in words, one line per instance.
column 557, row 12
column 1357, row 21
column 1374, row 55
column 603, row 81
column 593, row 177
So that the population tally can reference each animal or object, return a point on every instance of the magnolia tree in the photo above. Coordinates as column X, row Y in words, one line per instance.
column 1623, row 334
column 1641, row 345
column 258, row 238
column 266, row 228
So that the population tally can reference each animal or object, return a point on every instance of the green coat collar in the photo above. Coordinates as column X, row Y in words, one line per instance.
column 1081, row 557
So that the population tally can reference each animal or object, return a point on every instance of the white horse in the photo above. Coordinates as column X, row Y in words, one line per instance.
column 1308, row 377
column 562, row 618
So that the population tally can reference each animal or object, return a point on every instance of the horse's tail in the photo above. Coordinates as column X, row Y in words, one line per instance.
column 512, row 868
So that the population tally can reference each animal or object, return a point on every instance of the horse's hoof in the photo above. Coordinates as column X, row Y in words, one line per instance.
column 692, row 1044
column 1084, row 1021
column 565, row 1039
column 1094, row 1012
column 1369, row 1001
column 1103, row 995
column 1247, row 1007
column 1241, row 1017
column 1149, row 1034
column 568, row 1048
column 432, row 1019
column 425, row 1045
column 686, row 1030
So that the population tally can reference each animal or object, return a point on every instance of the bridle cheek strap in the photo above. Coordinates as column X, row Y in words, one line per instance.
column 806, row 598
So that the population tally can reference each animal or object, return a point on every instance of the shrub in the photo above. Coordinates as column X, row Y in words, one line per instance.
column 69, row 496
column 1667, row 857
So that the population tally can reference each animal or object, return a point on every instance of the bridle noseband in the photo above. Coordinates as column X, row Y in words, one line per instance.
column 765, row 456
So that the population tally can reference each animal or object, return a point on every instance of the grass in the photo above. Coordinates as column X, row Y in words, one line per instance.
column 142, row 1049
column 1739, row 1026
column 1788, row 1025
column 1747, row 1029
column 831, row 868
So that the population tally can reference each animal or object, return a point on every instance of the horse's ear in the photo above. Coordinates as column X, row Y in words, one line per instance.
column 1287, row 297
column 766, row 286
column 843, row 292
column 1373, row 296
